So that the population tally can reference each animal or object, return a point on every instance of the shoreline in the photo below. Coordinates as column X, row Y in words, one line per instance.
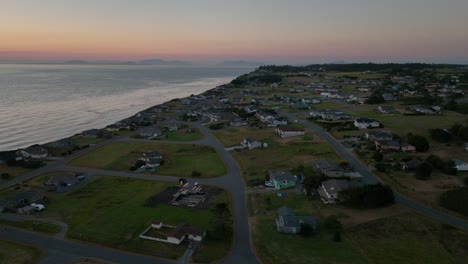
column 104, row 124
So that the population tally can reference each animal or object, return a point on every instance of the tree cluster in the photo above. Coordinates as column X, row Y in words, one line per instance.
column 420, row 142
column 368, row 196
column 221, row 226
column 456, row 200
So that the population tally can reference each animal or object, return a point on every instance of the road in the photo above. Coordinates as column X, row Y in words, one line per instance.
column 60, row 250
column 370, row 178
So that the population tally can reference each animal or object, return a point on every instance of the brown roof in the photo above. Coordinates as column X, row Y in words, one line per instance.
column 184, row 229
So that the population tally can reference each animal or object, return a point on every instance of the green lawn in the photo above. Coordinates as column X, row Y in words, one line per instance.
column 255, row 163
column 111, row 211
column 15, row 253
column 370, row 236
column 179, row 160
column 183, row 135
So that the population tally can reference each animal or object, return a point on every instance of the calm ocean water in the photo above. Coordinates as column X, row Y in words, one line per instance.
column 41, row 103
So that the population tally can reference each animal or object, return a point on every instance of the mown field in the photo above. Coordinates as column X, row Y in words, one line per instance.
column 15, row 253
column 179, row 159
column 111, row 211
column 384, row 236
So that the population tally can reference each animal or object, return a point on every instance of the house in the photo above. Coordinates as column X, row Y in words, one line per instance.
column 460, row 165
column 149, row 132
column 238, row 122
column 62, row 179
column 26, row 210
column 328, row 168
column 387, row 109
column 184, row 231
column 329, row 190
column 388, row 97
column 288, row 222
column 61, row 143
column 284, row 132
column 173, row 127
column 378, row 135
column 363, row 123
column 18, row 200
column 91, row 133
column 251, row 143
column 282, row 179
column 410, row 165
column 300, row 106
column 35, row 152
column 387, row 145
column 405, row 147
column 177, row 235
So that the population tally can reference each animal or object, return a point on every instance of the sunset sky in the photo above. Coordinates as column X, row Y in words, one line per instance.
column 293, row 31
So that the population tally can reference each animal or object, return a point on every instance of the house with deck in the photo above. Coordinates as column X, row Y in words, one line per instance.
column 282, row 179
column 290, row 223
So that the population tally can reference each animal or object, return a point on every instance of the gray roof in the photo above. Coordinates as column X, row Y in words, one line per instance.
column 327, row 165
column 458, row 162
column 335, row 186
column 285, row 210
column 36, row 150
column 282, row 176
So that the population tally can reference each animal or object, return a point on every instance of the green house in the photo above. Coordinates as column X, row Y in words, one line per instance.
column 300, row 106
column 282, row 179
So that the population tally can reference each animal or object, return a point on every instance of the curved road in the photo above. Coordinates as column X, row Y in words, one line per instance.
column 60, row 250
column 370, row 178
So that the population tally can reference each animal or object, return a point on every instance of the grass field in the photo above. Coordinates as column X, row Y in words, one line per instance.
column 12, row 171
column 288, row 155
column 183, row 135
column 179, row 160
column 387, row 235
column 15, row 253
column 111, row 211
column 34, row 225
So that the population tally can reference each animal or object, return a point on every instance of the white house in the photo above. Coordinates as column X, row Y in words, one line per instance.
column 251, row 143
column 289, row 132
column 363, row 123
column 330, row 189
column 460, row 165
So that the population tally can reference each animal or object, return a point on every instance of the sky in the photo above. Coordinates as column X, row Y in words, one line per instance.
column 292, row 31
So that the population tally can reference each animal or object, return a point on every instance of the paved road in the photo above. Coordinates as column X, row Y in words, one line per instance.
column 370, row 178
column 241, row 252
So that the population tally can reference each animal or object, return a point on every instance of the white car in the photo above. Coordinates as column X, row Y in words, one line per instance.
column 38, row 207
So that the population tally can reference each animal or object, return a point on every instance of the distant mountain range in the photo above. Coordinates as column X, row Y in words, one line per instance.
column 241, row 63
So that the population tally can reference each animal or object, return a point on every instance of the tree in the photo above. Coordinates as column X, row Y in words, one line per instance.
column 337, row 236
column 268, row 202
column 5, row 176
column 375, row 98
column 368, row 196
column 196, row 174
column 440, row 135
column 221, row 225
column 462, row 133
column 423, row 171
column 378, row 156
column 465, row 181
column 306, row 230
column 420, row 142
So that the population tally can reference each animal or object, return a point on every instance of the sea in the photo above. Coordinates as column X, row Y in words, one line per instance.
column 43, row 103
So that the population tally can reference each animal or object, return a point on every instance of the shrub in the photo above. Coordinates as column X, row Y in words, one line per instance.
column 423, row 171
column 420, row 142
column 306, row 230
column 332, row 224
column 5, row 176
column 465, row 181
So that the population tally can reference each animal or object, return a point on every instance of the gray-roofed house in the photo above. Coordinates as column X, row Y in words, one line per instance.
column 18, row 200
column 282, row 179
column 35, row 152
column 329, row 190
column 378, row 135
column 149, row 132
column 288, row 222
column 460, row 165
column 363, row 123
column 251, row 143
column 329, row 168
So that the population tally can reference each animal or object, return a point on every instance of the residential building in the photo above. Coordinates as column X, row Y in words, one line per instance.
column 329, row 190
column 251, row 143
column 363, row 123
column 284, row 132
column 35, row 152
column 387, row 145
column 378, row 135
column 329, row 168
column 288, row 222
column 282, row 179
column 460, row 165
